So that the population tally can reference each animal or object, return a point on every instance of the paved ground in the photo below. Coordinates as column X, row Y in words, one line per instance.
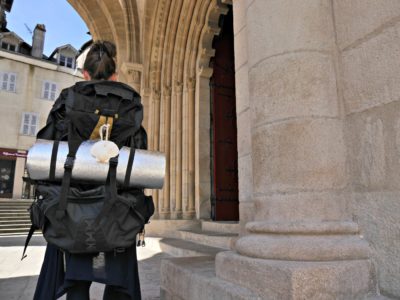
column 18, row 278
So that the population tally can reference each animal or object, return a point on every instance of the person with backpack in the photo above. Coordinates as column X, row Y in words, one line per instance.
column 78, row 115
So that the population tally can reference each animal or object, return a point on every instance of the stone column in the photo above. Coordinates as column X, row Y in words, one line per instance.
column 202, row 144
column 155, row 140
column 165, row 123
column 301, row 243
column 188, row 203
column 177, row 211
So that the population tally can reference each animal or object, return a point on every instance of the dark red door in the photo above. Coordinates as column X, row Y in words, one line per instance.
column 225, row 200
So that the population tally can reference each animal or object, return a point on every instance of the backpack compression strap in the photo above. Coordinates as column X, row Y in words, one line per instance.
column 62, row 204
column 130, row 163
column 111, row 189
column 53, row 160
column 73, row 146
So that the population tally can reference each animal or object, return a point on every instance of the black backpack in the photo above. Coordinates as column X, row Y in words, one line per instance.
column 82, row 217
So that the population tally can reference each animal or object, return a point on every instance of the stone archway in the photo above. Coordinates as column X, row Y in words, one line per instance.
column 164, row 50
column 117, row 21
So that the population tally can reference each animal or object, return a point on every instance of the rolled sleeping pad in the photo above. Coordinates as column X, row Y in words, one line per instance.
column 148, row 168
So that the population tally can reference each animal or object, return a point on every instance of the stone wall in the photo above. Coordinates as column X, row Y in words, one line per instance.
column 368, row 40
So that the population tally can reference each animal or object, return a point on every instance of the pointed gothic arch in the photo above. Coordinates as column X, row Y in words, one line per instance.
column 164, row 49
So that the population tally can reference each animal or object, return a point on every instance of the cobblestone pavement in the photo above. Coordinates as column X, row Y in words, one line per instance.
column 18, row 278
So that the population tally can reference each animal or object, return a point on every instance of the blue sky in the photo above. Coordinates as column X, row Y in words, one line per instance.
column 63, row 24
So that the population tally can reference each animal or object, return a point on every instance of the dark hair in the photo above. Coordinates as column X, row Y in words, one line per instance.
column 99, row 62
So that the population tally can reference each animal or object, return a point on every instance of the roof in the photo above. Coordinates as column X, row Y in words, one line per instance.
column 63, row 47
column 3, row 34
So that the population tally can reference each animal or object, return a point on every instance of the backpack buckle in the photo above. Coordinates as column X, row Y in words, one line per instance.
column 113, row 161
column 69, row 162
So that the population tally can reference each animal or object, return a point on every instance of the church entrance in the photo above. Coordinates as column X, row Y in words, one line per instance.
column 224, row 161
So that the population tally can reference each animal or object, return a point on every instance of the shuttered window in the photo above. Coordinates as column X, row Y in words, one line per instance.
column 8, row 81
column 49, row 90
column 29, row 123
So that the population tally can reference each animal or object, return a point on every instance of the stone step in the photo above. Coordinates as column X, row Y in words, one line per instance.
column 13, row 213
column 194, row 278
column 12, row 231
column 181, row 248
column 220, row 226
column 6, row 217
column 24, row 204
column 15, row 225
column 376, row 297
column 14, row 206
column 15, row 201
column 208, row 238
column 14, row 221
column 13, row 210
column 6, row 208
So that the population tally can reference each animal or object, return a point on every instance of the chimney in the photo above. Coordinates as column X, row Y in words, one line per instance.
column 38, row 40
column 5, row 6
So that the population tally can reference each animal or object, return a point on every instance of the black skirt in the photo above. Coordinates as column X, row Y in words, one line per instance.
column 61, row 270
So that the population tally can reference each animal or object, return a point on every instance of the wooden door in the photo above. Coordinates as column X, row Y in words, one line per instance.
column 225, row 199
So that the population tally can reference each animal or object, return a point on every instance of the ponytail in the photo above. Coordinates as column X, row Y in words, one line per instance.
column 100, row 63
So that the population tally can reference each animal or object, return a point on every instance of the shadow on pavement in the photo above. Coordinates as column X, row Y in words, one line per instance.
column 23, row 287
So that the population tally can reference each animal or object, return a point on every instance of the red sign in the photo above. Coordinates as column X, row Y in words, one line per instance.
column 12, row 154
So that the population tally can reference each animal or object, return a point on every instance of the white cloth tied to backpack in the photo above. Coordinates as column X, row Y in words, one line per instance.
column 148, row 169
column 104, row 149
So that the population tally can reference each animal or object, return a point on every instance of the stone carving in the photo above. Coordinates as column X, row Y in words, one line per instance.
column 190, row 83
column 133, row 73
column 166, row 92
column 178, row 87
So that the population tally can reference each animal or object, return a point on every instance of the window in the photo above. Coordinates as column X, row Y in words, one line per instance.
column 69, row 62
column 49, row 90
column 8, row 81
column 29, row 123
column 62, row 60
column 66, row 61
column 8, row 46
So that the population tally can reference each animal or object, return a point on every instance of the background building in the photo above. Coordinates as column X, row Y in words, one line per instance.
column 29, row 84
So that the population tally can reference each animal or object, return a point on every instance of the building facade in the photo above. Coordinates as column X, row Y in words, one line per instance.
column 30, row 83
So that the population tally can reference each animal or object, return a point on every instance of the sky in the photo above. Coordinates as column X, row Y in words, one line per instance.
column 63, row 24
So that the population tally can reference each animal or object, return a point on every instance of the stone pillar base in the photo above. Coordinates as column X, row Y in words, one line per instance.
column 164, row 215
column 280, row 279
column 188, row 215
column 176, row 215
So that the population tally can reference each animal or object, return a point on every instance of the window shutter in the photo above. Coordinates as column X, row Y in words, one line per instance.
column 12, row 83
column 46, row 90
column 5, row 81
column 33, row 124
column 25, row 124
column 53, row 91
